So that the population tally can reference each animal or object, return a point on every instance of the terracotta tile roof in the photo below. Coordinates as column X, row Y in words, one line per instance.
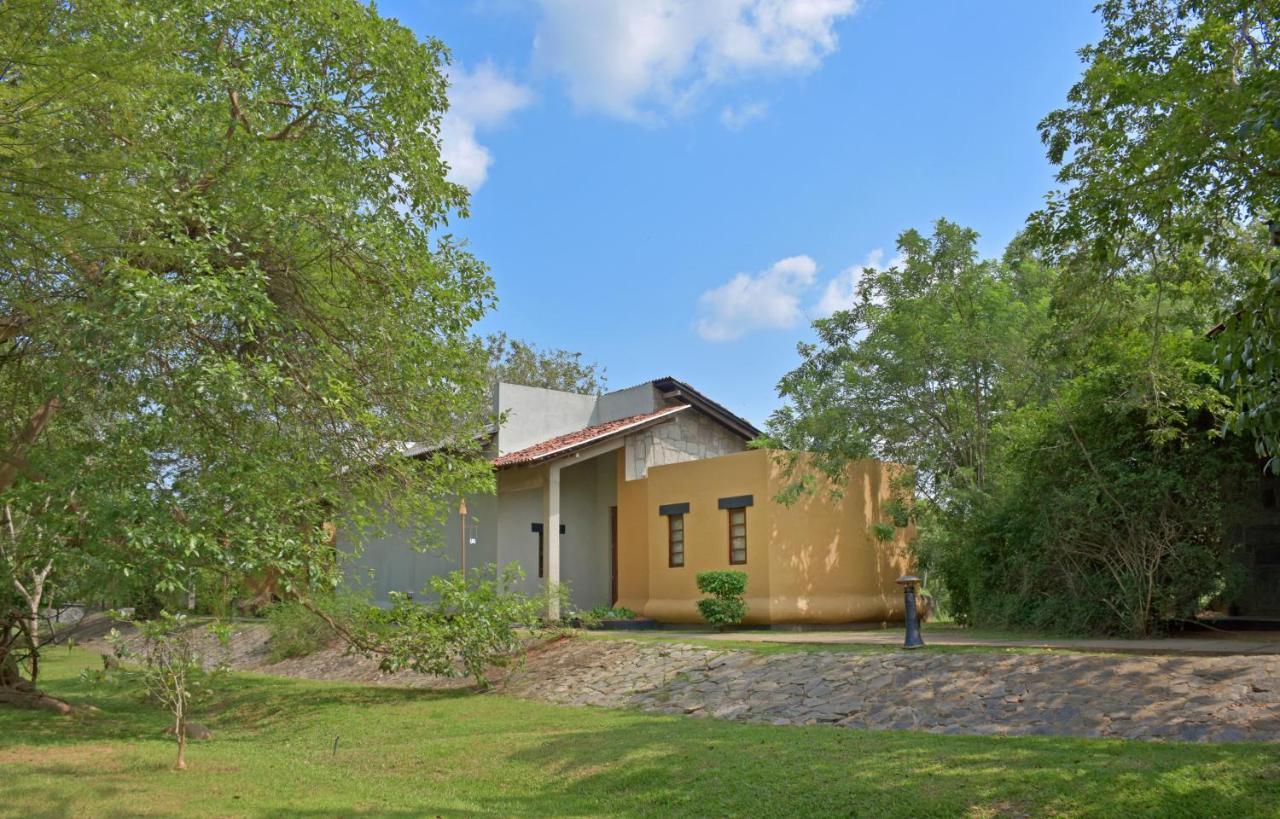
column 567, row 443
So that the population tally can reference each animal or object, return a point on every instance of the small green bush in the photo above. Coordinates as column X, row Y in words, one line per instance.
column 725, row 607
column 297, row 632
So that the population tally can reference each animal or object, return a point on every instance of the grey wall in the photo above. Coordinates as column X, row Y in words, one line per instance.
column 625, row 403
column 389, row 562
column 534, row 415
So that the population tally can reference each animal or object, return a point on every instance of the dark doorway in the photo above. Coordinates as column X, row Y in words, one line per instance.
column 613, row 555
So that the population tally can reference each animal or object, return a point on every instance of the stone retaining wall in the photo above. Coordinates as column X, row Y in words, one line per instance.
column 1089, row 695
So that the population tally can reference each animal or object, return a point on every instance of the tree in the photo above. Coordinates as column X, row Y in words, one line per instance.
column 1169, row 154
column 226, row 293
column 171, row 668
column 919, row 369
column 1104, row 513
column 517, row 362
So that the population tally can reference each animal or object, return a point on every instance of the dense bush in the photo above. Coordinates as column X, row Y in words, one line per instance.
column 725, row 607
column 472, row 624
column 1096, row 521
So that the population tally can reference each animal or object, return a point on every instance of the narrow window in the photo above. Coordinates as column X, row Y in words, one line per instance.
column 675, row 541
column 541, row 554
column 738, row 535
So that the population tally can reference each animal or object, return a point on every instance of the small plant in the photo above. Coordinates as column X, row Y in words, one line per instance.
column 593, row 617
column 170, row 667
column 297, row 631
column 725, row 607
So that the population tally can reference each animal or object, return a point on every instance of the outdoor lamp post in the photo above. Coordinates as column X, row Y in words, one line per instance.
column 908, row 583
column 462, row 525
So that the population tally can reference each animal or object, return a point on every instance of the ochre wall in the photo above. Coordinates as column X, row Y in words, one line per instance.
column 816, row 561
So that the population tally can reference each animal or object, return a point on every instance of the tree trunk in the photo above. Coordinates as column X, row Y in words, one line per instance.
column 180, row 725
column 13, row 460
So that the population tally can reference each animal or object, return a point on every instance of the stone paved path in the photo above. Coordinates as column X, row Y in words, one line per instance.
column 1214, row 699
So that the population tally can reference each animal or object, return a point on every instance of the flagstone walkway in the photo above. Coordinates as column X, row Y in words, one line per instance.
column 1090, row 695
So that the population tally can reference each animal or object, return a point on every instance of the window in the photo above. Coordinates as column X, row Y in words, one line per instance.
column 738, row 535
column 675, row 541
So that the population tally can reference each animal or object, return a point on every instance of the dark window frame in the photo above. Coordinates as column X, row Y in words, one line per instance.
column 671, row 532
column 743, row 511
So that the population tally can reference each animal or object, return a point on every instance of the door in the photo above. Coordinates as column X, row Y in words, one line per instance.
column 613, row 555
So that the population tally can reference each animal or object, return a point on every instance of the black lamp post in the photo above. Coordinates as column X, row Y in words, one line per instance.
column 908, row 583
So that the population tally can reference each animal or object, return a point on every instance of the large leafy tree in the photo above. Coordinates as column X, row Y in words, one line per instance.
column 1169, row 154
column 519, row 362
column 225, row 291
column 920, row 368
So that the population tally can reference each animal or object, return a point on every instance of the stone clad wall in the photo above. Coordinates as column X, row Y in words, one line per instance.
column 692, row 436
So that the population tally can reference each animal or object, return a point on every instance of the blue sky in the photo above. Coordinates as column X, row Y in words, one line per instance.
column 679, row 188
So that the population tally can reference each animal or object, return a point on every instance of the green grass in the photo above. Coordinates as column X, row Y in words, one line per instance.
column 413, row 753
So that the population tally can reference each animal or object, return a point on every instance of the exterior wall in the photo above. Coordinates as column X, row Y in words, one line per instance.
column 534, row 415
column 690, row 436
column 388, row 561
column 587, row 490
column 814, row 562
column 625, row 403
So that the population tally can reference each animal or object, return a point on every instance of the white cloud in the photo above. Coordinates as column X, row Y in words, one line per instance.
column 478, row 99
column 767, row 300
column 735, row 119
column 640, row 59
column 841, row 293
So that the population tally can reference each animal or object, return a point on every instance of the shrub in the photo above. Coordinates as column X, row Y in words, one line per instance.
column 595, row 616
column 473, row 624
column 725, row 607
column 298, row 632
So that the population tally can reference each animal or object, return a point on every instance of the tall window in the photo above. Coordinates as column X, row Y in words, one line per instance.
column 738, row 535
column 541, row 554
column 675, row 540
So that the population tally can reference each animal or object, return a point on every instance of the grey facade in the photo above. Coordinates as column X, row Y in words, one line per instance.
column 543, row 475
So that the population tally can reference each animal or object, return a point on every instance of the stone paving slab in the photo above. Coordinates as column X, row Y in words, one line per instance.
column 1225, row 643
column 1203, row 699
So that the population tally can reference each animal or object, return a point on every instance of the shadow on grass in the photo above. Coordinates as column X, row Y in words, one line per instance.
column 665, row 765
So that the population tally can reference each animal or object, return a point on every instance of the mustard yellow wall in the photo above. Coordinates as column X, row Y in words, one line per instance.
column 816, row 561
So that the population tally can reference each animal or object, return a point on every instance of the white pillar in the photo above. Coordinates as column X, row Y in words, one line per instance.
column 551, row 538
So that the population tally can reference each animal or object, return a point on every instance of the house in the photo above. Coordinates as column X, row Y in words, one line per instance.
column 627, row 496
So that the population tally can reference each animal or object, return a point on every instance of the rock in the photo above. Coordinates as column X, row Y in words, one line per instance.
column 194, row 731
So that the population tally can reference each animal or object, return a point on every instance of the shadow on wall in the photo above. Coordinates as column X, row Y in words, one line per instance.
column 827, row 565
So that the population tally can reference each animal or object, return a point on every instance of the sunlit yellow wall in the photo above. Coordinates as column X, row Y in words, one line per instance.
column 816, row 561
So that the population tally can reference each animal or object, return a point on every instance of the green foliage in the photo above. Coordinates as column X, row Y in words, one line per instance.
column 297, row 631
column 725, row 607
column 226, row 292
column 472, row 624
column 517, row 362
column 170, row 667
column 918, row 370
column 1099, row 521
column 1168, row 149
column 596, row 615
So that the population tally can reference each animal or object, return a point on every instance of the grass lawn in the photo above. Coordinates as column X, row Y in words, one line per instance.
column 413, row 753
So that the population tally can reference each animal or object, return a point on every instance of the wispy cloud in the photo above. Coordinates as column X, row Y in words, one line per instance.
column 644, row 59
column 766, row 300
column 737, row 118
column 478, row 100
column 841, row 292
